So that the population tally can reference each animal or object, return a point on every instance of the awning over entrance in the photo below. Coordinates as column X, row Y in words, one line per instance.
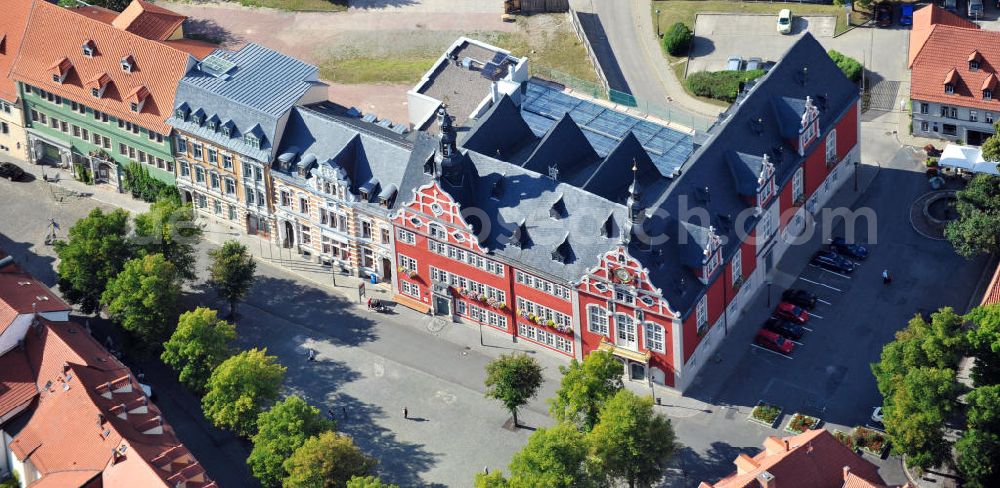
column 641, row 357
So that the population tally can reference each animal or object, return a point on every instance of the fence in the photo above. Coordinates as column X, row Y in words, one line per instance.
column 538, row 6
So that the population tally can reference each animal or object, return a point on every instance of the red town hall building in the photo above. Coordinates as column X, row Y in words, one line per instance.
column 578, row 227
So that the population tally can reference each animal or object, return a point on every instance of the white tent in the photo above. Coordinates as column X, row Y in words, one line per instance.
column 968, row 158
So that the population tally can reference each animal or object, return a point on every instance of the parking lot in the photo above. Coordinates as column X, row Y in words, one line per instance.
column 719, row 36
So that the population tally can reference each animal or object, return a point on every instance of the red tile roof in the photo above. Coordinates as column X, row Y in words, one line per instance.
column 992, row 294
column 55, row 32
column 815, row 459
column 12, row 25
column 23, row 293
column 99, row 14
column 81, row 425
column 941, row 45
column 149, row 21
column 17, row 382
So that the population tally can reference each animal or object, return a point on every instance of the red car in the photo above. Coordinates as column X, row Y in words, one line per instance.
column 773, row 341
column 792, row 312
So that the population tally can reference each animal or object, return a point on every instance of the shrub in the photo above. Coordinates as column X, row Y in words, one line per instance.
column 766, row 413
column 677, row 39
column 845, row 439
column 801, row 423
column 851, row 67
column 145, row 187
column 720, row 85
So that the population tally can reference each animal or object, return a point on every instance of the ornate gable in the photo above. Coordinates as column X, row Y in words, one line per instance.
column 432, row 206
column 617, row 270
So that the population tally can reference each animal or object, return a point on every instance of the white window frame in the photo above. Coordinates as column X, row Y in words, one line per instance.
column 407, row 263
column 737, row 266
column 701, row 313
column 406, row 237
column 654, row 337
column 597, row 319
column 409, row 289
column 798, row 187
column 831, row 146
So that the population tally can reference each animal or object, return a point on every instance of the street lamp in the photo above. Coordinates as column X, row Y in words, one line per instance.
column 658, row 23
column 769, row 294
column 481, row 343
column 856, row 163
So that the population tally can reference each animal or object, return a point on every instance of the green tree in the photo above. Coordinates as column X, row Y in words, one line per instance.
column 991, row 146
column 232, row 272
column 977, row 229
column 976, row 455
column 851, row 68
column 630, row 442
column 677, row 39
column 95, row 251
column 240, row 388
column 513, row 379
column 984, row 408
column 916, row 412
column 494, row 479
column 584, row 388
column 984, row 342
column 168, row 228
column 554, row 457
column 143, row 299
column 368, row 482
column 116, row 5
column 326, row 461
column 200, row 342
column 937, row 344
column 280, row 431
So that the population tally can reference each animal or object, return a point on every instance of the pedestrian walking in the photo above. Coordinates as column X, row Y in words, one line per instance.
column 886, row 277
column 312, row 355
column 406, row 413
column 329, row 413
column 343, row 410
column 486, row 470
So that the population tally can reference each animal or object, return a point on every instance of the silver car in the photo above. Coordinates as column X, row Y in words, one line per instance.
column 734, row 63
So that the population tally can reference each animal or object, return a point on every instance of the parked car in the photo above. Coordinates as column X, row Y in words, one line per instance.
column 832, row 261
column 734, row 63
column 801, row 298
column 906, row 14
column 755, row 63
column 877, row 415
column 11, row 171
column 773, row 341
column 792, row 312
column 854, row 251
column 785, row 21
column 883, row 14
column 784, row 327
column 975, row 9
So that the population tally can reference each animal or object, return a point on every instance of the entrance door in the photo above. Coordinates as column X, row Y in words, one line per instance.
column 104, row 172
column 625, row 332
column 386, row 270
column 976, row 138
column 289, row 235
column 442, row 305
column 187, row 198
column 50, row 154
column 637, row 371
column 252, row 224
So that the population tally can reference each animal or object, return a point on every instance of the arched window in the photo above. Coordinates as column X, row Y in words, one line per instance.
column 625, row 333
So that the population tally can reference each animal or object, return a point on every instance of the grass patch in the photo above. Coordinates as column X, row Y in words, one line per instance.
column 376, row 70
column 297, row 5
column 720, row 85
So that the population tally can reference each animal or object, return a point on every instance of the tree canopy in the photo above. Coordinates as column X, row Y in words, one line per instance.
column 368, row 482
column 977, row 229
column 168, row 228
column 327, row 460
column 95, row 251
column 553, row 458
column 143, row 299
column 630, row 442
column 513, row 379
column 584, row 388
column 200, row 342
column 280, row 431
column 240, row 387
column 232, row 272
column 984, row 342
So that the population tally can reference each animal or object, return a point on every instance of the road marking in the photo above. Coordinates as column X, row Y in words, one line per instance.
column 820, row 284
column 794, row 342
column 770, row 351
column 823, row 301
column 807, row 329
column 836, row 273
column 814, row 315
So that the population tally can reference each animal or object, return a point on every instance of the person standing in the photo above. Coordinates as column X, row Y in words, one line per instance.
column 886, row 277
column 406, row 413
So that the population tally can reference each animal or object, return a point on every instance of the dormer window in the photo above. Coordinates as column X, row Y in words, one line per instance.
column 713, row 256
column 181, row 112
column 558, row 209
column 225, row 130
column 949, row 88
column 137, row 98
column 127, row 64
column 987, row 94
column 60, row 69
column 89, row 49
column 973, row 65
column 98, row 84
column 252, row 141
column 950, row 80
column 212, row 126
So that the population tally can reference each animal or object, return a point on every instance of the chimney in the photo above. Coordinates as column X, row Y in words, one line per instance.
column 786, row 446
column 847, row 472
column 495, row 91
column 765, row 479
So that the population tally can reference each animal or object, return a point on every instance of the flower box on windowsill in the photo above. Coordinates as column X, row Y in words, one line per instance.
column 411, row 274
column 765, row 414
column 800, row 423
column 799, row 201
column 738, row 283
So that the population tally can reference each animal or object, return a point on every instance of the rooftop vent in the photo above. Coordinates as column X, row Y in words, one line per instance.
column 757, row 125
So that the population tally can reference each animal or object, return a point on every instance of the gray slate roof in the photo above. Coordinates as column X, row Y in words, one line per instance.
column 328, row 134
column 251, row 97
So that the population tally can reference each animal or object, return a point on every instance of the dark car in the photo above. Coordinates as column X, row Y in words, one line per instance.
column 832, row 261
column 883, row 14
column 791, row 312
column 801, row 298
column 840, row 246
column 906, row 14
column 773, row 341
column 11, row 171
column 785, row 328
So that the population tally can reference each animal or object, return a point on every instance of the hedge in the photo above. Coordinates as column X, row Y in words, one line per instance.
column 851, row 67
column 720, row 85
